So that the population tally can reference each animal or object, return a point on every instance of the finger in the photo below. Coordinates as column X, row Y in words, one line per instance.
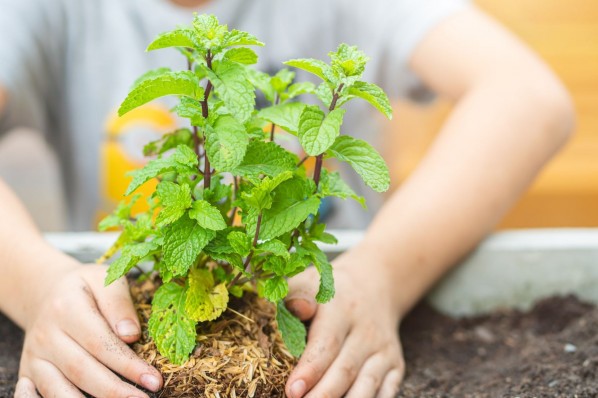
column 51, row 382
column 342, row 373
column 89, row 375
column 95, row 336
column 302, row 292
column 391, row 383
column 323, row 345
column 370, row 377
column 25, row 389
column 116, row 305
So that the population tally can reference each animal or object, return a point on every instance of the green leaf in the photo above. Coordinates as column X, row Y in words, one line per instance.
column 292, row 205
column 241, row 55
column 318, row 132
column 150, row 74
column 364, row 159
column 240, row 242
column 175, row 199
column 183, row 242
column 267, row 158
column 205, row 302
column 170, row 327
column 180, row 37
column 291, row 329
column 274, row 246
column 286, row 116
column 207, row 216
column 120, row 214
column 374, row 95
column 259, row 196
column 298, row 89
column 130, row 256
column 313, row 66
column 348, row 60
column 239, row 38
column 231, row 84
column 191, row 109
column 183, row 160
column 169, row 141
column 332, row 184
column 282, row 80
column 209, row 31
column 275, row 289
column 226, row 143
column 326, row 290
column 261, row 81
column 168, row 83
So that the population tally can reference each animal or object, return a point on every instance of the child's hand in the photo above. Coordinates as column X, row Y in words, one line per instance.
column 353, row 347
column 75, row 339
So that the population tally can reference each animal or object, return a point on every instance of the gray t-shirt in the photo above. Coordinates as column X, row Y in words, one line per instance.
column 67, row 65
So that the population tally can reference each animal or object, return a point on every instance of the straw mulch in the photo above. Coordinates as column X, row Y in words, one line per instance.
column 239, row 355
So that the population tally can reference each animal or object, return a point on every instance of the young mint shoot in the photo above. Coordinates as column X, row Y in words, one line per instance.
column 233, row 211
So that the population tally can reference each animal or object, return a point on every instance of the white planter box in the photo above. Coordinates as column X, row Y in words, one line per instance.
column 509, row 269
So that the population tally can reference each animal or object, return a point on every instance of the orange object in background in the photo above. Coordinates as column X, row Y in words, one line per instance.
column 565, row 34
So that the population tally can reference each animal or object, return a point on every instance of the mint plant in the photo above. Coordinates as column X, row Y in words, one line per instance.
column 233, row 211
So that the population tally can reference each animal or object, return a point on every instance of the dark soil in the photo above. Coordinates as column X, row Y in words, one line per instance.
column 550, row 352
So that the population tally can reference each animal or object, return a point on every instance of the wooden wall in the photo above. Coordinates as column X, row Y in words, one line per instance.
column 565, row 34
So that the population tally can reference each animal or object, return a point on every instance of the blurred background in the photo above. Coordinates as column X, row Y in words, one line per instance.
column 564, row 33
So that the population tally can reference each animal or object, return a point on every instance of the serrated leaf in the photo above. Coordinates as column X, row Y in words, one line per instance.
column 240, row 38
column 183, row 242
column 261, row 81
column 130, row 256
column 318, row 132
column 226, row 143
column 169, row 141
column 374, row 95
column 241, row 55
column 207, row 216
column 292, row 205
column 170, row 327
column 349, row 60
column 168, row 83
column 364, row 159
column 274, row 246
column 205, row 302
column 183, row 160
column 326, row 290
column 282, row 80
column 298, row 89
column 267, row 158
column 275, row 289
column 190, row 108
column 175, row 200
column 291, row 329
column 180, row 37
column 151, row 74
column 259, row 196
column 232, row 87
column 313, row 66
column 286, row 116
column 332, row 184
column 120, row 214
column 240, row 242
column 324, row 93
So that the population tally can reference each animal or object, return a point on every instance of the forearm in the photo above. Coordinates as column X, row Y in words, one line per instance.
column 26, row 260
column 493, row 145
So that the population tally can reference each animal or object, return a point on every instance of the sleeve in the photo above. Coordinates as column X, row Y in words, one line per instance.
column 31, row 47
column 388, row 31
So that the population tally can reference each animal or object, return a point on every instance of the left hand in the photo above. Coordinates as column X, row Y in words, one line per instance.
column 353, row 348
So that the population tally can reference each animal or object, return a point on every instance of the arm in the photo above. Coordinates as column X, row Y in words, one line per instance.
column 75, row 328
column 511, row 116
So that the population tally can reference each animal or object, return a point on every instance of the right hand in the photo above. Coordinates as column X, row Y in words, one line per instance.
column 75, row 339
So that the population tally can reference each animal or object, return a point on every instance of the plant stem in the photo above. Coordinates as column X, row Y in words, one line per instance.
column 196, row 142
column 235, row 192
column 302, row 161
column 247, row 263
column 320, row 157
column 207, row 178
column 276, row 100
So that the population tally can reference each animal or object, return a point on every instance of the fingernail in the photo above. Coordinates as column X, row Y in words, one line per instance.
column 127, row 327
column 150, row 382
column 298, row 389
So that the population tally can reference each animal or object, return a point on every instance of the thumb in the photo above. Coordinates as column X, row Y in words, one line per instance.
column 115, row 304
column 25, row 389
column 302, row 292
